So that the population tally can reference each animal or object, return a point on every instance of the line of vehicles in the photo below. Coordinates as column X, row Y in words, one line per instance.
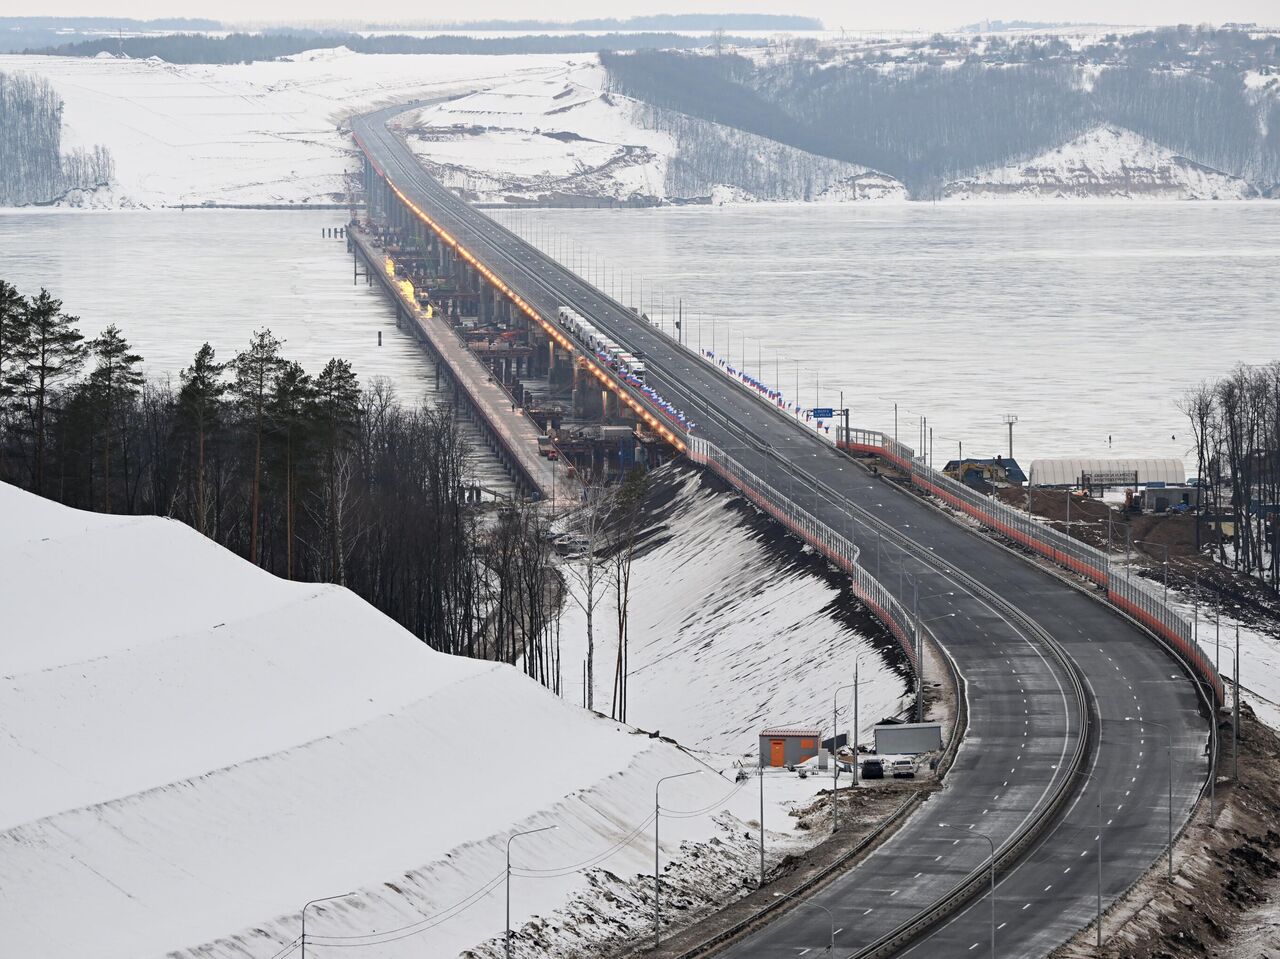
column 625, row 364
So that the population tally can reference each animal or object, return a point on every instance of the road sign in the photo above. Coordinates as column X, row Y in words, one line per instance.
column 823, row 412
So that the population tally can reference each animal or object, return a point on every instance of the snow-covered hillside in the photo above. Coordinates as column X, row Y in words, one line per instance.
column 260, row 133
column 732, row 628
column 193, row 749
column 1105, row 162
column 564, row 138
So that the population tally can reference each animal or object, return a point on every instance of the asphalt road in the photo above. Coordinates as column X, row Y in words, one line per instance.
column 1024, row 715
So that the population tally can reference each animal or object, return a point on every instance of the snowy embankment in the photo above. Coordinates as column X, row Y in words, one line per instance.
column 1259, row 653
column 734, row 626
column 258, row 133
column 193, row 749
column 564, row 138
column 1106, row 162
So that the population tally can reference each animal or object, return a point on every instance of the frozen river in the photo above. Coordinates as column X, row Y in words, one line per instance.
column 1085, row 320
column 174, row 280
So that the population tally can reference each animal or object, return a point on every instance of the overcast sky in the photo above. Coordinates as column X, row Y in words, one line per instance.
column 925, row 14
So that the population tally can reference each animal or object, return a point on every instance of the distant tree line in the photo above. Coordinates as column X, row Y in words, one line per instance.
column 25, row 33
column 33, row 168
column 272, row 45
column 308, row 476
column 656, row 21
column 1235, row 422
column 926, row 123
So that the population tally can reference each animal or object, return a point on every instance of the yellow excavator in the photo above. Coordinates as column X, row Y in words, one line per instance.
column 967, row 470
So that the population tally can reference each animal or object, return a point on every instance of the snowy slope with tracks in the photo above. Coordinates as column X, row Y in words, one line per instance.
column 734, row 626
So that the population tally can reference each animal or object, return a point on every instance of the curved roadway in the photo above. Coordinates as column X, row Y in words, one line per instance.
column 1024, row 711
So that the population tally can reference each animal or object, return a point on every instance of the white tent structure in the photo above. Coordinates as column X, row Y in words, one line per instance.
column 1068, row 470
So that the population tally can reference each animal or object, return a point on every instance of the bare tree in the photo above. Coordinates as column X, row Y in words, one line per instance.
column 629, row 504
column 586, row 573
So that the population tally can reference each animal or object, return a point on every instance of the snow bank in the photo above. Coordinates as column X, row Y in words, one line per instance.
column 732, row 629
column 260, row 133
column 1105, row 162
column 193, row 749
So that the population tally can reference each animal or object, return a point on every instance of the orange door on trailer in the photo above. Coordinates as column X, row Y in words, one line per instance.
column 777, row 752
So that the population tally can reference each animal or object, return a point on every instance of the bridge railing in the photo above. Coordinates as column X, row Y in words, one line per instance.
column 833, row 544
column 1132, row 595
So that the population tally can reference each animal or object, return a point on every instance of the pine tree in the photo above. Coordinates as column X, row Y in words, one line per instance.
column 291, row 404
column 337, row 404
column 13, row 344
column 199, row 411
column 115, row 381
column 256, row 370
column 53, row 351
column 13, row 338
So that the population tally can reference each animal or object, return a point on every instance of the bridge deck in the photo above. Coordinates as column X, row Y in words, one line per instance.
column 997, row 616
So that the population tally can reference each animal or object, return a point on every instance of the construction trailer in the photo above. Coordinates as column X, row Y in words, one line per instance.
column 789, row 745
column 896, row 739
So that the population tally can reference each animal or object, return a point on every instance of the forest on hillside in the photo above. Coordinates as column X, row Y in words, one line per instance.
column 311, row 476
column 930, row 115
column 272, row 45
column 33, row 168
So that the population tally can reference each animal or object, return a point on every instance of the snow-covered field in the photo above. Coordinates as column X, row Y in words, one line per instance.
column 564, row 137
column 1104, row 162
column 260, row 133
column 524, row 128
column 193, row 749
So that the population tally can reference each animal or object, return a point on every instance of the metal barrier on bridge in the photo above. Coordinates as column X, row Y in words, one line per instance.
column 1131, row 595
column 834, row 545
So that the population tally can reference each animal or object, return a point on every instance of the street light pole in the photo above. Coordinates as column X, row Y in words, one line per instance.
column 527, row 832
column 857, row 661
column 1097, row 782
column 920, row 657
column 1165, row 547
column 304, row 916
column 815, row 905
column 1235, row 715
column 1168, row 738
column 657, row 890
column 835, row 765
column 968, row 828
column 761, row 768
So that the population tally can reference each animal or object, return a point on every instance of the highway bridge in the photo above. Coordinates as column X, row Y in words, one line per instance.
column 1070, row 705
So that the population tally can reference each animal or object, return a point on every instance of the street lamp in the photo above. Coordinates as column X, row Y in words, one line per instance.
column 808, row 902
column 657, row 815
column 1165, row 547
column 1168, row 738
column 835, row 765
column 527, row 832
column 920, row 662
column 304, row 916
column 1097, row 782
column 990, row 842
